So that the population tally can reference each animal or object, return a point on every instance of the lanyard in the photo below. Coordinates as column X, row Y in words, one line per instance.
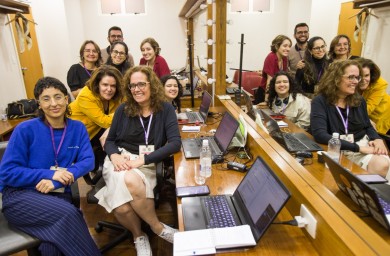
column 319, row 74
column 345, row 121
column 146, row 131
column 56, row 151
column 86, row 70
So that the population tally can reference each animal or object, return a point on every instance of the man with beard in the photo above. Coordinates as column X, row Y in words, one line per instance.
column 114, row 35
column 297, row 53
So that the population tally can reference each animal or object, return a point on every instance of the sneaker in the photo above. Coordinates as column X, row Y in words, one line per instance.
column 167, row 233
column 142, row 246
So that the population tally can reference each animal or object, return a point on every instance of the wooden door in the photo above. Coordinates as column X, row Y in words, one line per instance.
column 347, row 21
column 30, row 60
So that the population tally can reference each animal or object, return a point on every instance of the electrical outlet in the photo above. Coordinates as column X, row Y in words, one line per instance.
column 311, row 225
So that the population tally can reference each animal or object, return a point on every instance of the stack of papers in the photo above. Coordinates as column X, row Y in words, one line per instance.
column 207, row 241
column 282, row 124
column 190, row 128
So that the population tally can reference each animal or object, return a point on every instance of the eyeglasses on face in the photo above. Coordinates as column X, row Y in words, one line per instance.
column 116, row 36
column 89, row 51
column 121, row 54
column 302, row 32
column 353, row 77
column 319, row 48
column 140, row 85
column 57, row 98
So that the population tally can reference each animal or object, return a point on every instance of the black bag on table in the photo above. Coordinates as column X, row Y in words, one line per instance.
column 22, row 108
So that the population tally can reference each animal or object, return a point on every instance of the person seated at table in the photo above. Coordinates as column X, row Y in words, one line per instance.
column 151, row 57
column 173, row 91
column 285, row 98
column 43, row 155
column 97, row 102
column 78, row 74
column 340, row 49
column 373, row 89
column 118, row 57
column 144, row 132
column 316, row 63
column 340, row 108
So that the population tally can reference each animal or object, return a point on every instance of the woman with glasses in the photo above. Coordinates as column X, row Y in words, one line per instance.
column 144, row 132
column 285, row 98
column 340, row 49
column 173, row 91
column 97, row 102
column 151, row 57
column 373, row 89
column 78, row 74
column 44, row 156
column 340, row 108
column 316, row 63
column 118, row 57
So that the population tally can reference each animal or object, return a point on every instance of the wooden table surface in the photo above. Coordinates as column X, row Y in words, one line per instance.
column 6, row 127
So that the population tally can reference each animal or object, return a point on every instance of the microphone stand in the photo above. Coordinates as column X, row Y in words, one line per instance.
column 238, row 92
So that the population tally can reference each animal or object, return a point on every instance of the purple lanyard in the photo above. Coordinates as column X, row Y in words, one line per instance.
column 56, row 151
column 345, row 121
column 86, row 70
column 319, row 74
column 146, row 132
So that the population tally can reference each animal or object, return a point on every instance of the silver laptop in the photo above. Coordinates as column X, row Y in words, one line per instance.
column 201, row 116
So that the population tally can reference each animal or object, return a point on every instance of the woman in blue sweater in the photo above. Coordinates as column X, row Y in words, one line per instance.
column 340, row 108
column 43, row 158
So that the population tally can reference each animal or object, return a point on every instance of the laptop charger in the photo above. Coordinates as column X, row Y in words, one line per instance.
column 236, row 166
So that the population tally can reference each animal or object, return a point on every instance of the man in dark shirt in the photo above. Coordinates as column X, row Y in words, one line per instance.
column 295, row 57
column 115, row 34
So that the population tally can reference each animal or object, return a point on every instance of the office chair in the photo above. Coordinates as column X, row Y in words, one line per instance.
column 95, row 180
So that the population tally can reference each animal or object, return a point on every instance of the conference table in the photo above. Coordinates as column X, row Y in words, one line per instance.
column 7, row 126
column 311, row 185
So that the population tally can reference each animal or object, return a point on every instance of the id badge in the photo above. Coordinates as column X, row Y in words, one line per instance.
column 146, row 149
column 347, row 137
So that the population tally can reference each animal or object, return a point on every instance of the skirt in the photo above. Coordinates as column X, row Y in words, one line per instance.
column 115, row 193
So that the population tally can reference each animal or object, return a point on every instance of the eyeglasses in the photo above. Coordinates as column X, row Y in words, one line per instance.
column 89, row 51
column 140, row 85
column 57, row 98
column 302, row 32
column 116, row 36
column 352, row 77
column 319, row 48
column 121, row 54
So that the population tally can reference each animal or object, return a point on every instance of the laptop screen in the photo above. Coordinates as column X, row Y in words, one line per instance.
column 263, row 195
column 270, row 123
column 205, row 105
column 225, row 132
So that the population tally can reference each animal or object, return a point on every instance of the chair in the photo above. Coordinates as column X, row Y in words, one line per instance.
column 250, row 80
column 95, row 180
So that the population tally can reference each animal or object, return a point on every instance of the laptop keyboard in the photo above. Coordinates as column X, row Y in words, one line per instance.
column 294, row 143
column 385, row 205
column 192, row 117
column 218, row 212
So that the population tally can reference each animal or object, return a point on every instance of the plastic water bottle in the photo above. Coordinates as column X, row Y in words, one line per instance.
column 334, row 146
column 205, row 159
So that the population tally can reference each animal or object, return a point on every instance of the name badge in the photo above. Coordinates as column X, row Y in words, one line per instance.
column 348, row 137
column 146, row 149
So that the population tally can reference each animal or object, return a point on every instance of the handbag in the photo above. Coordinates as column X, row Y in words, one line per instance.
column 22, row 108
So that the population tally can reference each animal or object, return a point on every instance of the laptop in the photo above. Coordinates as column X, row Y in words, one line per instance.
column 219, row 143
column 256, row 202
column 251, row 111
column 292, row 142
column 372, row 198
column 201, row 116
column 187, row 89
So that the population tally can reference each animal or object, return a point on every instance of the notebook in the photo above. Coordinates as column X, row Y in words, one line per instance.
column 219, row 143
column 256, row 202
column 292, row 142
column 372, row 198
column 201, row 116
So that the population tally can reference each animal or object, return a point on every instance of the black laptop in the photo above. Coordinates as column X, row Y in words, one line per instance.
column 201, row 116
column 372, row 198
column 187, row 88
column 256, row 202
column 219, row 143
column 292, row 142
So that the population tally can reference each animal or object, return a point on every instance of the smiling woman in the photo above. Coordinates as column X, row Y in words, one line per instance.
column 118, row 57
column 151, row 57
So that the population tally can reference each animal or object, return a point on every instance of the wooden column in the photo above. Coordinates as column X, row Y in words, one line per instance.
column 210, row 54
column 220, row 47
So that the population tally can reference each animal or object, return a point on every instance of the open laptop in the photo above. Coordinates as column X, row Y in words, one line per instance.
column 187, row 89
column 256, row 202
column 372, row 198
column 219, row 143
column 292, row 142
column 251, row 111
column 201, row 116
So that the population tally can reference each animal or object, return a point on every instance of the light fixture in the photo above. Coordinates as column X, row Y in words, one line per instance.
column 210, row 61
column 211, row 80
column 210, row 42
column 210, row 22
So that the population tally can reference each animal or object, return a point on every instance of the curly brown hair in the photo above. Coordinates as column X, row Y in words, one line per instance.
column 329, row 84
column 97, row 76
column 157, row 95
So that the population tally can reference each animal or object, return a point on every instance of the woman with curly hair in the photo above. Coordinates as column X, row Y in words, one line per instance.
column 173, row 90
column 79, row 73
column 144, row 132
column 285, row 98
column 340, row 108
column 340, row 49
column 316, row 63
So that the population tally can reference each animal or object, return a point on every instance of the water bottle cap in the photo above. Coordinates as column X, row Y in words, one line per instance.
column 205, row 143
column 336, row 135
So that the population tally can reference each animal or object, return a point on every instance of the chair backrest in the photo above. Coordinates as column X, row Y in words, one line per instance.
column 250, row 80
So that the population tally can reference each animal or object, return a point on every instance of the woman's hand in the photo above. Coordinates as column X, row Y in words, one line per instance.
column 300, row 64
column 366, row 150
column 379, row 147
column 119, row 162
column 63, row 176
column 45, row 186
column 135, row 163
